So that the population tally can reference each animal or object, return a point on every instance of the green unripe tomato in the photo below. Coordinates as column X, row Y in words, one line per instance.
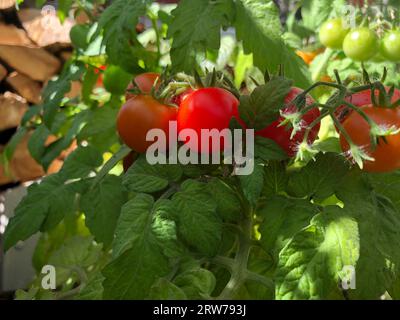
column 361, row 44
column 332, row 33
column 115, row 79
column 390, row 47
column 78, row 35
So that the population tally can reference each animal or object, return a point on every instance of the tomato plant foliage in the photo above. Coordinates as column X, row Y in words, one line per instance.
column 171, row 231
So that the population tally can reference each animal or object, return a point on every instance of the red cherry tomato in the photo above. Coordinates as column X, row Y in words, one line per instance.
column 360, row 99
column 144, row 82
column 281, row 135
column 207, row 108
column 386, row 154
column 139, row 115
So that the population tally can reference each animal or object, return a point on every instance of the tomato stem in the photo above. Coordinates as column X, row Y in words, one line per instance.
column 313, row 124
column 341, row 128
column 111, row 163
column 361, row 113
column 239, row 272
column 158, row 41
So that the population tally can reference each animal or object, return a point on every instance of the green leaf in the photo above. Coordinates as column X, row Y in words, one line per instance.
column 134, row 271
column 55, row 91
column 331, row 144
column 262, row 107
column 379, row 225
column 310, row 264
column 197, row 283
column 138, row 214
column 228, row 203
column 81, row 162
column 387, row 184
column 93, row 290
column 394, row 290
column 267, row 149
column 197, row 220
column 46, row 154
column 8, row 152
column 73, row 224
column 26, row 295
column 265, row 42
column 54, row 149
column 319, row 178
column 144, row 177
column 118, row 23
column 243, row 63
column 77, row 251
column 36, row 143
column 316, row 12
column 262, row 288
column 102, row 206
column 41, row 209
column 275, row 178
column 143, row 236
column 196, row 27
column 166, row 290
column 100, row 130
column 88, row 83
column 282, row 219
column 252, row 185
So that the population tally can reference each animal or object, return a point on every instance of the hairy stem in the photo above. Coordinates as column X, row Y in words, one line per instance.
column 239, row 266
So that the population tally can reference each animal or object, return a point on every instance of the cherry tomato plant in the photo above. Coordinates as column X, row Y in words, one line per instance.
column 323, row 197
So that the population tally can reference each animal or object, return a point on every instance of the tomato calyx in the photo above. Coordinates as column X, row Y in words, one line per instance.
column 166, row 90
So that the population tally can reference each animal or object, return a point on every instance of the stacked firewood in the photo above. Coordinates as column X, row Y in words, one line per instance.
column 33, row 47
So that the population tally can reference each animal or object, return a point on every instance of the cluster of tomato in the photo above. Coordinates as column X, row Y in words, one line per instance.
column 361, row 43
column 197, row 109
column 213, row 108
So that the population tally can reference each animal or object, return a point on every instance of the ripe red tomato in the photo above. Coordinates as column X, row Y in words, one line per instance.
column 281, row 135
column 207, row 108
column 139, row 115
column 144, row 82
column 360, row 99
column 386, row 154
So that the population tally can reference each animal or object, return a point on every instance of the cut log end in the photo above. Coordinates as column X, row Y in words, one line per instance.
column 12, row 109
column 25, row 87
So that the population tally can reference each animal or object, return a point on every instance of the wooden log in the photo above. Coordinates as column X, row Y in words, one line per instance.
column 23, row 167
column 12, row 109
column 36, row 63
column 65, row 55
column 25, row 87
column 11, row 35
column 45, row 29
column 3, row 72
column 76, row 88
column 5, row 4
